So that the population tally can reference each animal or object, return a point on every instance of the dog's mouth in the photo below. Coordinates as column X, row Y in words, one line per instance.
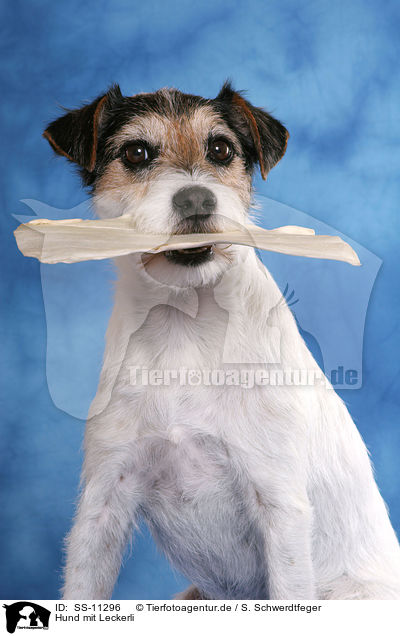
column 191, row 256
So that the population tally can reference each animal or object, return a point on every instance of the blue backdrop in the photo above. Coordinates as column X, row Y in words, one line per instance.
column 328, row 71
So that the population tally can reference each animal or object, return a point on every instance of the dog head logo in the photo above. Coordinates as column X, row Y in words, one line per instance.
column 26, row 615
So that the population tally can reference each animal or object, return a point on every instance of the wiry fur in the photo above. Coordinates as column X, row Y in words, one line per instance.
column 252, row 493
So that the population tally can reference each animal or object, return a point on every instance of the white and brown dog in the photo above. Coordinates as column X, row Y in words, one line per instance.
column 261, row 493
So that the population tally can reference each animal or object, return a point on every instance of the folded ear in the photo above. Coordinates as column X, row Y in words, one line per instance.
column 75, row 134
column 263, row 137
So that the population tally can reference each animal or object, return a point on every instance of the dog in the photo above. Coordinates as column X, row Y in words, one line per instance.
column 252, row 493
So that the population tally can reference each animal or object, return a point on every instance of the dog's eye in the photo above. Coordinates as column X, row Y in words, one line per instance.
column 220, row 150
column 136, row 153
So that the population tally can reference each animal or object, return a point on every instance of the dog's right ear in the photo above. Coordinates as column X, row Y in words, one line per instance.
column 75, row 135
column 264, row 137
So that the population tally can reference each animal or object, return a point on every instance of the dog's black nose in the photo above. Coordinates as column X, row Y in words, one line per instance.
column 194, row 200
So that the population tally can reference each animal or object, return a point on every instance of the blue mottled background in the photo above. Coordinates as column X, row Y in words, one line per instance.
column 328, row 70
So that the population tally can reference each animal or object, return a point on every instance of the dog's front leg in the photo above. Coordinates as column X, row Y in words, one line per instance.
column 287, row 540
column 284, row 516
column 103, row 523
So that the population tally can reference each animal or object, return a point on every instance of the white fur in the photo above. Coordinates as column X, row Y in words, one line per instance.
column 250, row 492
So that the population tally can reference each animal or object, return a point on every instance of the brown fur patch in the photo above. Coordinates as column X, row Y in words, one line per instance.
column 191, row 594
column 182, row 143
column 240, row 102
column 96, row 118
column 115, row 178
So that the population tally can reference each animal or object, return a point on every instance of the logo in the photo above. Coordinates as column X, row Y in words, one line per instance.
column 26, row 615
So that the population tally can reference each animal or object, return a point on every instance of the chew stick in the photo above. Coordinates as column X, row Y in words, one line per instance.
column 73, row 240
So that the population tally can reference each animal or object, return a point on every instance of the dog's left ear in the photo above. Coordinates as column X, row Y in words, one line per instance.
column 264, row 138
column 75, row 134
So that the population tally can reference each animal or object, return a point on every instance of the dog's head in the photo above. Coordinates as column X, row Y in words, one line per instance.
column 176, row 163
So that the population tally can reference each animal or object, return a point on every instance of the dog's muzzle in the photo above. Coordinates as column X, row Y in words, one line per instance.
column 195, row 206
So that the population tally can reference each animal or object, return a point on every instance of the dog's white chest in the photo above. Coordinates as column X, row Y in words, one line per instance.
column 197, row 503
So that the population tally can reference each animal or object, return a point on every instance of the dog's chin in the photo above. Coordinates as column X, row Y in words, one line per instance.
column 193, row 267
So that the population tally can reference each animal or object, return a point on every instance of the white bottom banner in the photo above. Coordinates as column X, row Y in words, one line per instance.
column 182, row 617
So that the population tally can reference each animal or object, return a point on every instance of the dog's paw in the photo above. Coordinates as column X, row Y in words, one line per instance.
column 190, row 594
